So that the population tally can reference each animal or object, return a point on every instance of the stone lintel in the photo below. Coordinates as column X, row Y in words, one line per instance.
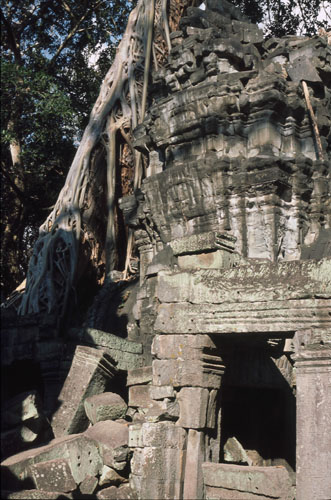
column 269, row 316
column 254, row 281
column 203, row 242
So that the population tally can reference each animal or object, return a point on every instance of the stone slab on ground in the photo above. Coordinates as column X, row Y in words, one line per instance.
column 106, row 406
column 240, row 482
column 82, row 453
column 34, row 495
column 14, row 469
column 53, row 475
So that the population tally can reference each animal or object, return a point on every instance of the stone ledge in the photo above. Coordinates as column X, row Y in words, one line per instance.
column 238, row 482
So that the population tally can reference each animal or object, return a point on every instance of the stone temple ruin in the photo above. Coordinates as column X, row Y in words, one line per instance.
column 221, row 388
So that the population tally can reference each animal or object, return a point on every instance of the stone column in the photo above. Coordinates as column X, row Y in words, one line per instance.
column 313, row 378
column 191, row 366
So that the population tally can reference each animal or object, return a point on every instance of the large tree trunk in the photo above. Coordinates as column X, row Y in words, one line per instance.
column 59, row 257
column 15, row 224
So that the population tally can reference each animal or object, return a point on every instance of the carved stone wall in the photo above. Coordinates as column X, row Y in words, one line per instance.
column 233, row 227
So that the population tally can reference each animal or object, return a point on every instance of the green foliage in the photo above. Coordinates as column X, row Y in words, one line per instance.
column 54, row 56
column 288, row 17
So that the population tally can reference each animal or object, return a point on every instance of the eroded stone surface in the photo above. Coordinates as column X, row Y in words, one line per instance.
column 243, row 482
column 105, row 406
column 53, row 475
column 90, row 371
column 112, row 439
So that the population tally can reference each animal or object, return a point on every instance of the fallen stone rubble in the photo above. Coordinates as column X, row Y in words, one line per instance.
column 94, row 462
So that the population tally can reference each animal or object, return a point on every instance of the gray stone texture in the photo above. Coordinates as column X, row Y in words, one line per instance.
column 88, row 485
column 90, row 371
column 139, row 376
column 112, row 440
column 193, row 404
column 110, row 476
column 80, row 453
column 195, row 456
column 125, row 353
column 105, row 406
column 313, row 377
column 35, row 495
column 208, row 302
column 53, row 475
column 112, row 493
column 240, row 482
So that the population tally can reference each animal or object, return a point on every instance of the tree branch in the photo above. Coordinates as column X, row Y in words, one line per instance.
column 74, row 29
column 12, row 39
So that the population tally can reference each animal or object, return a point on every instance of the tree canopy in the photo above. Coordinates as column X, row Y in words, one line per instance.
column 288, row 17
column 54, row 56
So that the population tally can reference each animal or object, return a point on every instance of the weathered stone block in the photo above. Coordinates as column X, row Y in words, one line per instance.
column 223, row 481
column 84, row 458
column 212, row 408
column 193, row 404
column 180, row 373
column 23, row 423
column 160, row 470
column 106, row 406
column 313, row 377
column 162, row 410
column 243, row 317
column 88, row 485
column 161, row 392
column 15, row 469
column 53, row 475
column 90, row 371
column 139, row 376
column 212, row 260
column 234, row 452
column 139, row 396
column 17, row 439
column 125, row 353
column 195, row 455
column 124, row 492
column 181, row 346
column 112, row 439
column 163, row 435
column 135, row 436
column 111, row 477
